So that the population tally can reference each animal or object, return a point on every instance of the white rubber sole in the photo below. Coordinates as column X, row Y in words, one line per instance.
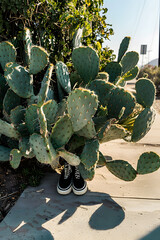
column 64, row 191
column 79, row 191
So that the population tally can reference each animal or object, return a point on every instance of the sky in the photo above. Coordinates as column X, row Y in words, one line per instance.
column 138, row 19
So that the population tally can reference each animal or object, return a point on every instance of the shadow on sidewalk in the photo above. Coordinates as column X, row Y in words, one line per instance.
column 154, row 235
column 39, row 207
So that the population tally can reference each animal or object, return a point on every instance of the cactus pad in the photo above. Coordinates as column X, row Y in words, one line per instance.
column 121, row 169
column 123, row 47
column 75, row 142
column 50, row 110
column 90, row 154
column 8, row 130
column 86, row 63
column 102, row 89
column 19, row 80
column 31, row 119
column 129, row 61
column 15, row 158
column 102, row 160
column 63, row 76
column 27, row 45
column 86, row 174
column 75, row 79
column 88, row 130
column 45, row 84
column 71, row 158
column 120, row 98
column 7, row 53
column 102, row 76
column 145, row 92
column 42, row 150
column 116, row 131
column 38, row 60
column 4, row 153
column 82, row 105
column 42, row 122
column 148, row 163
column 114, row 70
column 3, row 90
column 61, row 132
column 25, row 148
column 17, row 115
column 10, row 101
column 143, row 124
column 130, row 75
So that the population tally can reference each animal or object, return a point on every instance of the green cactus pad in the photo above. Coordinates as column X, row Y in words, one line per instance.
column 120, row 98
column 145, row 92
column 45, row 85
column 75, row 79
column 102, row 160
column 61, row 92
column 86, row 174
column 4, row 154
column 23, row 129
column 90, row 154
column 130, row 75
column 86, row 63
column 18, row 115
column 7, row 53
column 129, row 61
column 8, row 130
column 102, row 89
column 82, row 105
column 104, row 128
column 88, row 130
column 143, row 124
column 50, row 95
column 38, row 60
column 76, row 142
column 19, row 80
column 50, row 109
column 11, row 100
column 61, row 132
column 42, row 122
column 77, row 38
column 71, row 158
column 43, row 150
column 15, row 158
column 3, row 90
column 102, row 76
column 123, row 47
column 62, row 109
column 63, row 76
column 148, row 162
column 31, row 119
column 27, row 45
column 121, row 169
column 116, row 131
column 25, row 148
column 114, row 70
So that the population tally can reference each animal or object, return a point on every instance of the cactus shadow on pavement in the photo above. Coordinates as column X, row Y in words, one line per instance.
column 154, row 235
column 41, row 210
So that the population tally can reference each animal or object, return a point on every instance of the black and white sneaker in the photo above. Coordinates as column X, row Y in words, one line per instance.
column 79, row 186
column 64, row 185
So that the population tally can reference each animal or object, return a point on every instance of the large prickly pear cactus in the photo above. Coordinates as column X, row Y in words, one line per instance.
column 97, row 110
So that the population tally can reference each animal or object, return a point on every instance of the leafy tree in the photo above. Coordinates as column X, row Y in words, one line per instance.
column 54, row 23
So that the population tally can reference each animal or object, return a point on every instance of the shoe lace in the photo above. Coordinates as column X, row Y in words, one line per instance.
column 77, row 173
column 67, row 170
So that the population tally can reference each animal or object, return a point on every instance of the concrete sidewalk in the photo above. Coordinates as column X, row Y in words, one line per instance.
column 112, row 209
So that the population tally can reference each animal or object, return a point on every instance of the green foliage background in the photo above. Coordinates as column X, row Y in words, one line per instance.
column 53, row 24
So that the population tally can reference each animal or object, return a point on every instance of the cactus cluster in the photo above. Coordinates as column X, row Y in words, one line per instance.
column 93, row 108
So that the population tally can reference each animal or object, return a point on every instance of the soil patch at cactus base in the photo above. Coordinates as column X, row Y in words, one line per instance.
column 13, row 182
